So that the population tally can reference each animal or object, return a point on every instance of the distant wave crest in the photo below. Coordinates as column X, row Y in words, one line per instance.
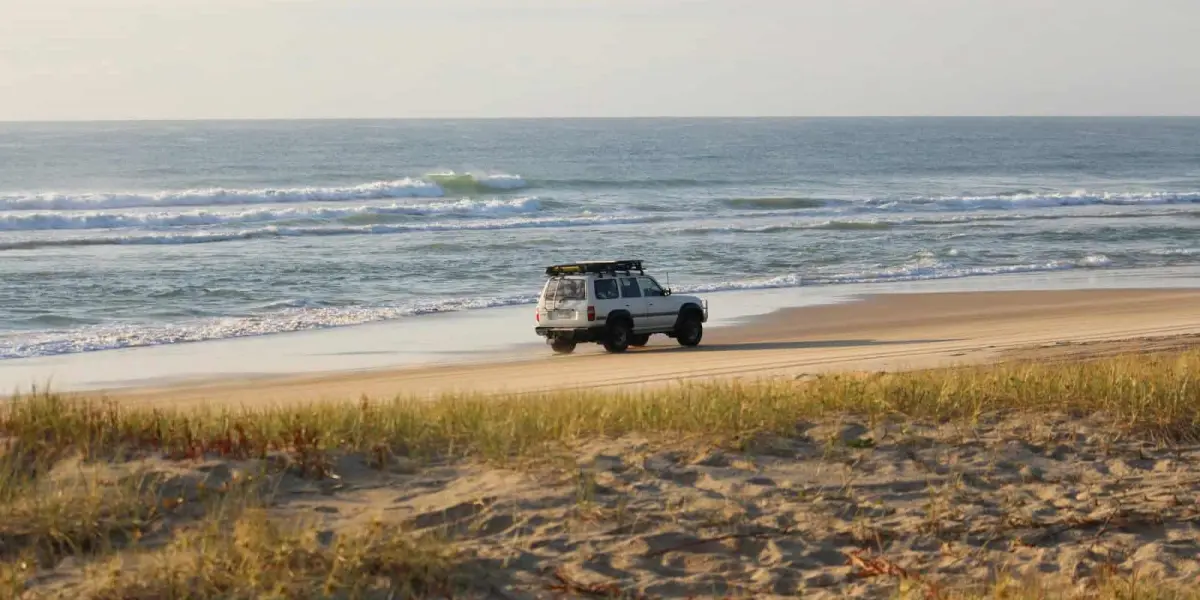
column 436, row 186
column 447, row 183
column 1028, row 201
column 47, row 220
column 273, row 231
column 399, row 188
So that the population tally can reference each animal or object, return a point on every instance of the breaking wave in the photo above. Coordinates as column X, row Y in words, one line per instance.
column 434, row 185
column 471, row 183
column 399, row 188
column 291, row 316
column 33, row 221
column 273, row 231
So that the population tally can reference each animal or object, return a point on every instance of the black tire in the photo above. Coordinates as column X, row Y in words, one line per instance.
column 563, row 346
column 638, row 341
column 689, row 331
column 618, row 336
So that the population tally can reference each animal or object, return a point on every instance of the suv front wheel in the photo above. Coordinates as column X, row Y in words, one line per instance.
column 689, row 331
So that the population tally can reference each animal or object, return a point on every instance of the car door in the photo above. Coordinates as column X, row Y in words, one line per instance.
column 606, row 297
column 631, row 294
column 660, row 310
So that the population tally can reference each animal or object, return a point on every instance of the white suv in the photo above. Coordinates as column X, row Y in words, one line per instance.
column 616, row 304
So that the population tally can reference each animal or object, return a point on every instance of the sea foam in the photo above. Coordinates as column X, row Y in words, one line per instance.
column 289, row 319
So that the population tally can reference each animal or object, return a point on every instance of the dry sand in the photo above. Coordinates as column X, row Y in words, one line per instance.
column 845, row 509
column 889, row 332
column 1056, row 499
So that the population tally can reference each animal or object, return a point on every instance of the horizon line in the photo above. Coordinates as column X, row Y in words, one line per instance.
column 592, row 118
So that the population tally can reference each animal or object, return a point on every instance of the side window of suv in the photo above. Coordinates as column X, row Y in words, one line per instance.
column 652, row 289
column 606, row 289
column 629, row 288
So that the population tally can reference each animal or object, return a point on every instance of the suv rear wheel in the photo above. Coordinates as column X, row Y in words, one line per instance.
column 639, row 340
column 618, row 336
column 563, row 345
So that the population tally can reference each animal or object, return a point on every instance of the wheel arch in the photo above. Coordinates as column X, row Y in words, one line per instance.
column 618, row 316
column 687, row 310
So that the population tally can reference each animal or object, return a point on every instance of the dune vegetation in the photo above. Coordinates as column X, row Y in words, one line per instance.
column 101, row 501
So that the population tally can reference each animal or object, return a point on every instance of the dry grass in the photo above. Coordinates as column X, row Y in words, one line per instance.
column 149, row 536
column 1156, row 395
column 139, row 541
column 1113, row 588
column 82, row 516
column 1117, row 589
column 256, row 557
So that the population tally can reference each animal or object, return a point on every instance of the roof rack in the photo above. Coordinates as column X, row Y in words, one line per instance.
column 598, row 266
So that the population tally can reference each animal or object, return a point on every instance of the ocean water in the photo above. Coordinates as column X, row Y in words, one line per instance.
column 131, row 234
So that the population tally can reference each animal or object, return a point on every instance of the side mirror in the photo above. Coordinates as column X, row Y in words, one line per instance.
column 667, row 291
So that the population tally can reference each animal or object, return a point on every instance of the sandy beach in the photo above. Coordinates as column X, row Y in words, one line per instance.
column 882, row 332
column 841, row 505
column 845, row 510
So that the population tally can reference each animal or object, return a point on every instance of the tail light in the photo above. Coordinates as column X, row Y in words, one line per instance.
column 537, row 315
column 591, row 313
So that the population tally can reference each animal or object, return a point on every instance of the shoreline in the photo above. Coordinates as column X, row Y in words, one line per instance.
column 872, row 333
column 469, row 337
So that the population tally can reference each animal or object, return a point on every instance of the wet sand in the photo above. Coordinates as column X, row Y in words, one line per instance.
column 882, row 332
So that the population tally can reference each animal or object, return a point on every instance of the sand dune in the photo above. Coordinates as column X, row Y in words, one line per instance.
column 1055, row 499
column 843, row 509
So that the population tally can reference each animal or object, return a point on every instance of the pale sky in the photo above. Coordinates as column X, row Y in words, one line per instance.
column 188, row 59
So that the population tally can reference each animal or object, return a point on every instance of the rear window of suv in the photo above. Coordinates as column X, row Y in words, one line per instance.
column 558, row 290
column 606, row 289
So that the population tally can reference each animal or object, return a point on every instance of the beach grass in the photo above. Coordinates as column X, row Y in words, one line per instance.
column 256, row 556
column 1156, row 395
column 74, row 481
